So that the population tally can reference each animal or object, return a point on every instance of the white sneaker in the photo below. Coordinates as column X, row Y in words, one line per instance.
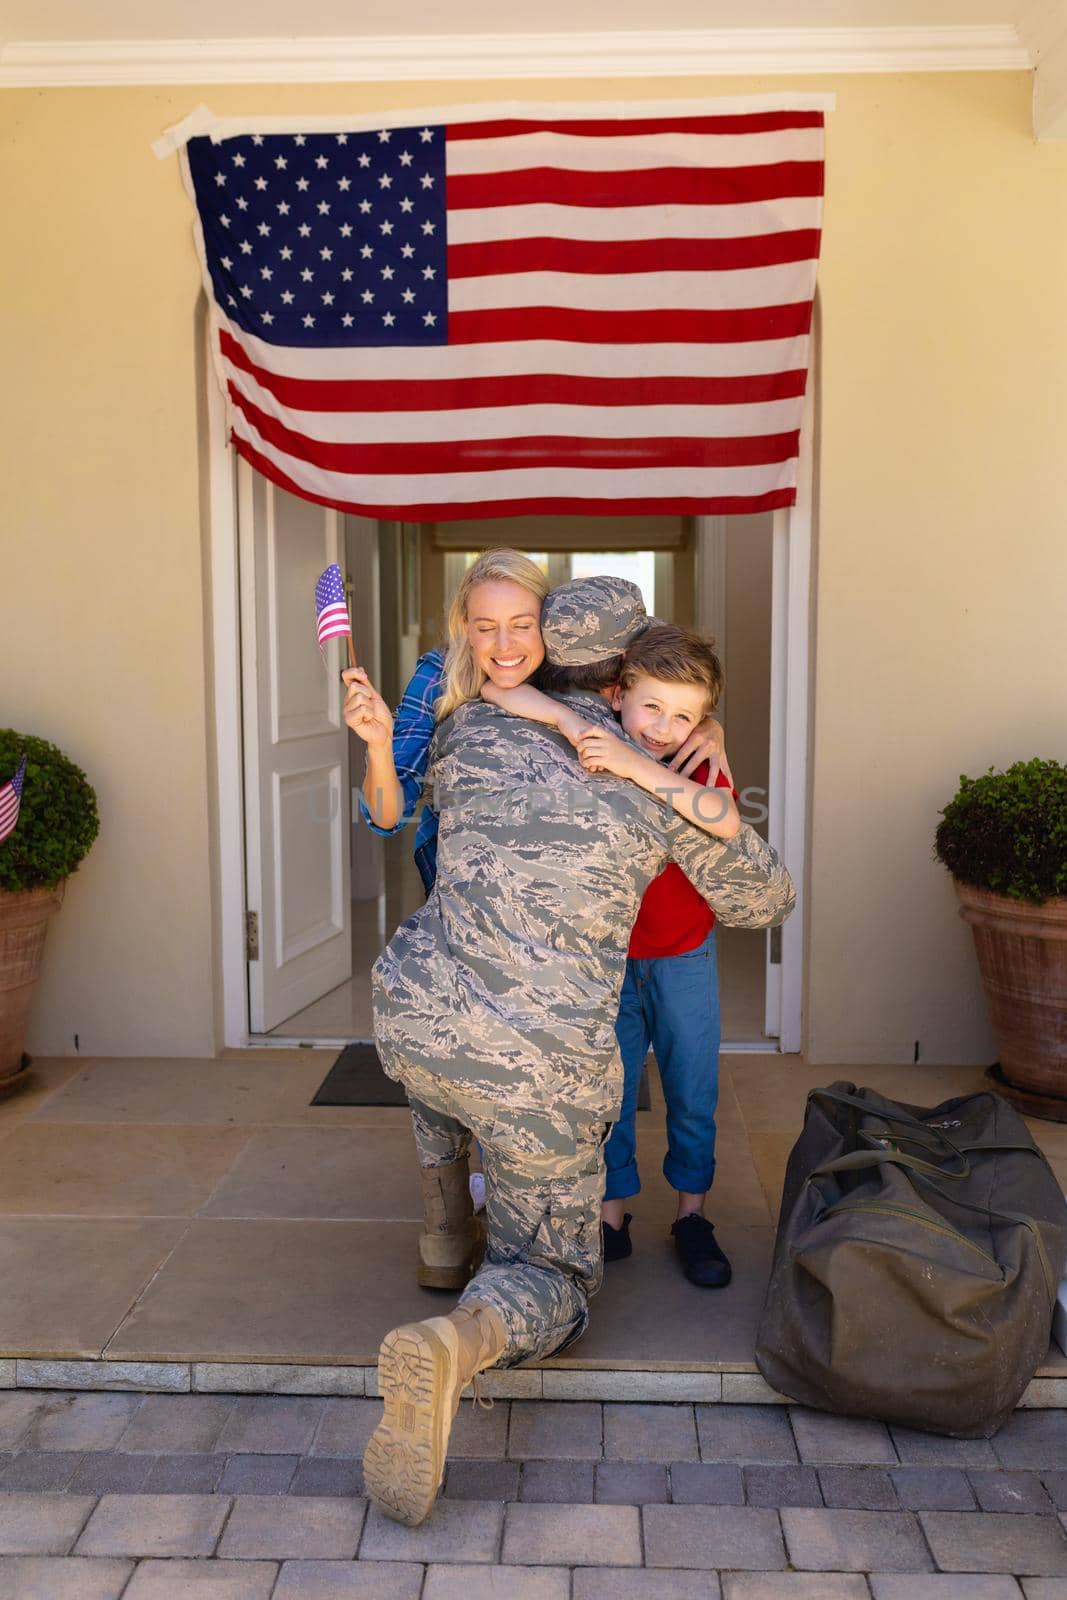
column 477, row 1183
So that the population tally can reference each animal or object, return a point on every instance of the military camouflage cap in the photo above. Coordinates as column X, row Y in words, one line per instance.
column 591, row 619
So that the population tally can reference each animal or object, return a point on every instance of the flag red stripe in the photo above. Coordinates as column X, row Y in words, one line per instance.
column 607, row 128
column 650, row 186
column 541, row 388
column 500, row 455
column 683, row 505
column 631, row 255
column 743, row 326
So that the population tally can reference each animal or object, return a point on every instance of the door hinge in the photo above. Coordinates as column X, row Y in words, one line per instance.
column 776, row 947
column 252, row 936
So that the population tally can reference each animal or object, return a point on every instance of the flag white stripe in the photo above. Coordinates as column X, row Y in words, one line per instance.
column 638, row 291
column 544, row 220
column 514, row 358
column 523, row 483
column 534, row 421
column 405, row 119
column 631, row 151
column 333, row 618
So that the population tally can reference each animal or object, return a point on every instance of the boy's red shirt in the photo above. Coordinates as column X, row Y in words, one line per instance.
column 674, row 918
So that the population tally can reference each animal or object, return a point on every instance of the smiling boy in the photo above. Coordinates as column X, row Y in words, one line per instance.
column 671, row 680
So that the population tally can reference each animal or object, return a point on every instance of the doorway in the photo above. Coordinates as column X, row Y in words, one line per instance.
column 724, row 575
column 399, row 581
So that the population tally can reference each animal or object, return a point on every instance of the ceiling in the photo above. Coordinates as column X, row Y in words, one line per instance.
column 241, row 19
column 47, row 43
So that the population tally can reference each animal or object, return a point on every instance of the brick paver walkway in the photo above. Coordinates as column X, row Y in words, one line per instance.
column 165, row 1497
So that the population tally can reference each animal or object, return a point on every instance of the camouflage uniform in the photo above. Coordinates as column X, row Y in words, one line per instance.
column 495, row 1003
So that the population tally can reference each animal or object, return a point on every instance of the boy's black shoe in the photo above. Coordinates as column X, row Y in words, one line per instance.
column 617, row 1244
column 702, row 1261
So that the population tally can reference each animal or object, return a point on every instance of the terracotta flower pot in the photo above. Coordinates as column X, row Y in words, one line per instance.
column 23, row 923
column 1022, row 956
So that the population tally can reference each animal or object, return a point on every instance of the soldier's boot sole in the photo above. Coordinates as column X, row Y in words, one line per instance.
column 450, row 1260
column 418, row 1375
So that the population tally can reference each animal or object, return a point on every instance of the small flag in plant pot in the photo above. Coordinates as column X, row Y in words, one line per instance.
column 10, row 800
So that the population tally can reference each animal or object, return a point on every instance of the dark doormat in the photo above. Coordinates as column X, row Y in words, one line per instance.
column 356, row 1079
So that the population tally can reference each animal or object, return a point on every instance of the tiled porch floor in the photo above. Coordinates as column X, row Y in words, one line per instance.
column 203, row 1211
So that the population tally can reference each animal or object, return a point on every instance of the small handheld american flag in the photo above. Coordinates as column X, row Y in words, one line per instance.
column 331, row 609
column 11, row 800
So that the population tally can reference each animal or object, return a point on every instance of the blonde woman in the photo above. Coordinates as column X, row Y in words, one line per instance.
column 494, row 633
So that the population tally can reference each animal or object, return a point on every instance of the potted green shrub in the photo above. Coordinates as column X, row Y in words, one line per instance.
column 57, row 823
column 1004, row 839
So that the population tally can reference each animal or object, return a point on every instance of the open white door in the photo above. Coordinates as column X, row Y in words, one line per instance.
column 790, row 659
column 296, row 757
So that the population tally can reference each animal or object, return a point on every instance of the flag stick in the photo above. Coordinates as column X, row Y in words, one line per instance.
column 351, row 653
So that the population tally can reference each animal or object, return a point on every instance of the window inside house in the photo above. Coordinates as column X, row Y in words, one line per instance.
column 639, row 566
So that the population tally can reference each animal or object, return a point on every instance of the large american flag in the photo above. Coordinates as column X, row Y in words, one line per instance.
column 602, row 314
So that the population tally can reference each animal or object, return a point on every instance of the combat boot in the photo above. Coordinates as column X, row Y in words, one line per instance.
column 423, row 1369
column 452, row 1243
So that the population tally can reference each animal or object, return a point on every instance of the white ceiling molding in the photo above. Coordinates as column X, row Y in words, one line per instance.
column 446, row 57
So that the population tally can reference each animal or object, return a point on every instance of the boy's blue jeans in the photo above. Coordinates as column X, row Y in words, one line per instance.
column 672, row 1004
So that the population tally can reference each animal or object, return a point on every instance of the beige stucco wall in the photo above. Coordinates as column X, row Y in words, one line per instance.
column 941, row 560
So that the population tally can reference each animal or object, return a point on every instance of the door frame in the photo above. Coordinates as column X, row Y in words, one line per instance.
column 790, row 710
column 792, row 694
column 227, row 683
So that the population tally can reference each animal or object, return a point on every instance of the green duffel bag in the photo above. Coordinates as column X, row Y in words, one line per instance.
column 918, row 1256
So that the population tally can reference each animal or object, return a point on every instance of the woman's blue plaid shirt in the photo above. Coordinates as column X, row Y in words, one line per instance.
column 413, row 729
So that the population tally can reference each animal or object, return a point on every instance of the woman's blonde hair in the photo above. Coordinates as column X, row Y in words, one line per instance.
column 463, row 677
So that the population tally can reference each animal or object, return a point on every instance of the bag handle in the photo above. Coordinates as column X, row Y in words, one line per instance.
column 931, row 1137
column 859, row 1160
column 931, row 1133
column 1031, row 1149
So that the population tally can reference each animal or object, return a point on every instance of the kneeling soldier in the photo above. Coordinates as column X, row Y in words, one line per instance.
column 495, row 1005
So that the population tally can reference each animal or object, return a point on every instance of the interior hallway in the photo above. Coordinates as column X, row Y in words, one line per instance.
column 203, row 1211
